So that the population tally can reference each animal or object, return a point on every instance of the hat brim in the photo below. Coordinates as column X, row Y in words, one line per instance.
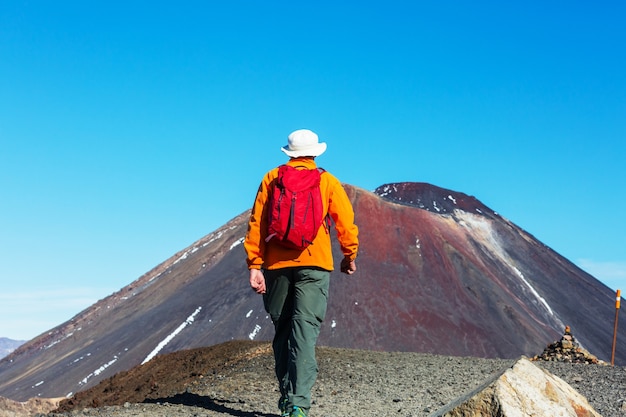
column 315, row 150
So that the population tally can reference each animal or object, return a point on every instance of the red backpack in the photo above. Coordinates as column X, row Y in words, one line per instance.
column 295, row 210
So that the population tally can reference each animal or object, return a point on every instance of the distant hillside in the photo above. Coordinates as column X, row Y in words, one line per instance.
column 8, row 345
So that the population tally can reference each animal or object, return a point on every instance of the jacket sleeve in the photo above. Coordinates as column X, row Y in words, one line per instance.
column 341, row 211
column 254, row 243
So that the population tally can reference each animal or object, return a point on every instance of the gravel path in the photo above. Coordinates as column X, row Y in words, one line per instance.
column 361, row 383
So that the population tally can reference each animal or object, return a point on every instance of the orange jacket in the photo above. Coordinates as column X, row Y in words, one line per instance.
column 272, row 255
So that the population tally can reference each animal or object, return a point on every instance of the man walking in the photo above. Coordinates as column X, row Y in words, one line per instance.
column 294, row 281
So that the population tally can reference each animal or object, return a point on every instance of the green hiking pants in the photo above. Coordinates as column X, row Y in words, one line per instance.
column 296, row 300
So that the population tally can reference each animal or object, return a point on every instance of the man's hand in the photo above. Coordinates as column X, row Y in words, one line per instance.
column 348, row 266
column 257, row 281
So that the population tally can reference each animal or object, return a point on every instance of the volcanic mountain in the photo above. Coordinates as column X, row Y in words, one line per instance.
column 438, row 272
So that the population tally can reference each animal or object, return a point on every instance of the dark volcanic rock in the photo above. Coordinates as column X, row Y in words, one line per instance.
column 431, row 198
column 439, row 272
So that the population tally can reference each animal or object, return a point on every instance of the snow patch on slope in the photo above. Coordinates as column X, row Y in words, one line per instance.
column 254, row 333
column 237, row 243
column 172, row 335
column 388, row 189
column 481, row 228
column 532, row 290
column 98, row 371
column 62, row 338
column 215, row 236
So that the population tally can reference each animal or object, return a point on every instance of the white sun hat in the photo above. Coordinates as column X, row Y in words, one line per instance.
column 303, row 142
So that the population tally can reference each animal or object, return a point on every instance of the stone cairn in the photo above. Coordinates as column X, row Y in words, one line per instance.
column 567, row 350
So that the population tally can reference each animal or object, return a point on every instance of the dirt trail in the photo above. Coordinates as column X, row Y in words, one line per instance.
column 236, row 379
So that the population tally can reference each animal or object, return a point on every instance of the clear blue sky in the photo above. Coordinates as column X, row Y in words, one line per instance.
column 128, row 130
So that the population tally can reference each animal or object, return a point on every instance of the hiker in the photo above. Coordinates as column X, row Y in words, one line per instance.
column 293, row 277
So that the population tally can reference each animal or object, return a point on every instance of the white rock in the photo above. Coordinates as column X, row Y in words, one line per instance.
column 523, row 390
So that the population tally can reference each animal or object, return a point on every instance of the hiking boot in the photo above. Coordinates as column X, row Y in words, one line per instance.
column 283, row 403
column 297, row 412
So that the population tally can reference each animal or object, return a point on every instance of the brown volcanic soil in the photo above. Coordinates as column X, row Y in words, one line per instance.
column 236, row 379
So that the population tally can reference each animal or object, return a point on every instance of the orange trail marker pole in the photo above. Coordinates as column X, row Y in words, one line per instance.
column 617, row 302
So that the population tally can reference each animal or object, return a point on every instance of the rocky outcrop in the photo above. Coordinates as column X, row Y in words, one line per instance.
column 10, row 408
column 520, row 391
